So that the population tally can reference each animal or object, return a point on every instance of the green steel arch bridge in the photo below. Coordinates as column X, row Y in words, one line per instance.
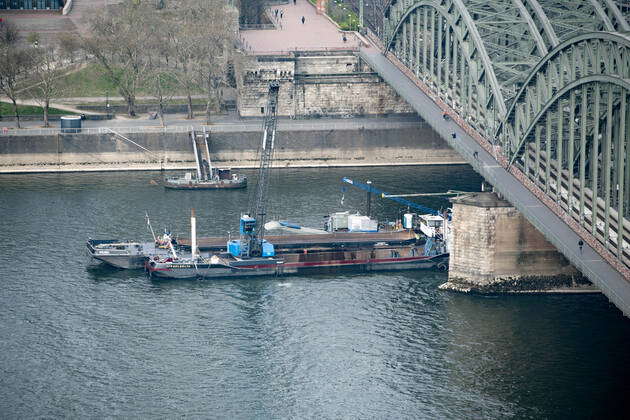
column 536, row 95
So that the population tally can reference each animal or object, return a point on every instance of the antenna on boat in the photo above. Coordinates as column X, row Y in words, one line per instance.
column 146, row 214
column 172, row 248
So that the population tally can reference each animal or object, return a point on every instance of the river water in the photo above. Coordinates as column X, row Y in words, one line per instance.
column 82, row 340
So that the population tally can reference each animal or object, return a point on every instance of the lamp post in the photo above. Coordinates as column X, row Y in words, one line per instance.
column 361, row 14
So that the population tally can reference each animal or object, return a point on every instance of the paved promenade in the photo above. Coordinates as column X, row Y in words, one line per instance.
column 316, row 33
column 224, row 123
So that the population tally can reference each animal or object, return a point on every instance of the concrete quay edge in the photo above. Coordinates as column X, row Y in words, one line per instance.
column 191, row 165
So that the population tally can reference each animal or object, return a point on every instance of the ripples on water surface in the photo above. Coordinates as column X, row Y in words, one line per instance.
column 79, row 340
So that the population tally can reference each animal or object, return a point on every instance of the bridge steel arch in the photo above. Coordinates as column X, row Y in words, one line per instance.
column 477, row 53
column 568, row 130
column 547, row 82
column 497, row 41
column 439, row 41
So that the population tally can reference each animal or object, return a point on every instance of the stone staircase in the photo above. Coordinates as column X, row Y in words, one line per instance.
column 82, row 9
column 48, row 24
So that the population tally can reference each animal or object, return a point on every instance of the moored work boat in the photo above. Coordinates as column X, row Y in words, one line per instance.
column 206, row 177
column 131, row 254
column 221, row 179
column 127, row 254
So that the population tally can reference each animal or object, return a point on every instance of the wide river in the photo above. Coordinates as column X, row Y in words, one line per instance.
column 81, row 340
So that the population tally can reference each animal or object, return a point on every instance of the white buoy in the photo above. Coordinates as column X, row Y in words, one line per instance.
column 193, row 234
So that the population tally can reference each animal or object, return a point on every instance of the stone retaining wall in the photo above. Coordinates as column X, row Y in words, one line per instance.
column 316, row 84
column 409, row 145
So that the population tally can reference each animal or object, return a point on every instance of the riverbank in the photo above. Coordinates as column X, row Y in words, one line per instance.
column 317, row 143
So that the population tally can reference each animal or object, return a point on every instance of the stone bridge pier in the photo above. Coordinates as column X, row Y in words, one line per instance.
column 496, row 250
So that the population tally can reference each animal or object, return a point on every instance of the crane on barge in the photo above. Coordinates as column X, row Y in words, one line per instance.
column 431, row 222
column 373, row 190
column 252, row 243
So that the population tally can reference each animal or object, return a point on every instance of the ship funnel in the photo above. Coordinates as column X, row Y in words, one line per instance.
column 193, row 234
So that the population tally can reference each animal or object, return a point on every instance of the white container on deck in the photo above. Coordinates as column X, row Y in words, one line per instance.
column 339, row 220
column 408, row 220
column 357, row 223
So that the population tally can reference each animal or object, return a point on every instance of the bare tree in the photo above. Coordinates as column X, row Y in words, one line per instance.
column 8, row 32
column 162, row 90
column 200, row 36
column 14, row 66
column 190, row 41
column 185, row 53
column 119, row 41
column 46, row 70
column 215, row 48
column 69, row 46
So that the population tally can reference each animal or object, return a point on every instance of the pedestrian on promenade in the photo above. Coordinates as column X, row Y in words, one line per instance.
column 580, row 245
column 276, row 11
column 294, row 2
column 344, row 38
column 281, row 13
column 303, row 20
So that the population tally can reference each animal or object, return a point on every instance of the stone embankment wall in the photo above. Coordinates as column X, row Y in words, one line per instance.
column 409, row 145
column 496, row 250
column 316, row 84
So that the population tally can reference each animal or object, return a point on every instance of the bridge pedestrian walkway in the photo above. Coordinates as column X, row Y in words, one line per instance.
column 554, row 228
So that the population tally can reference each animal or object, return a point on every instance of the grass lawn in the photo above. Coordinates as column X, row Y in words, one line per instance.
column 88, row 81
column 91, row 81
column 6, row 110
column 342, row 14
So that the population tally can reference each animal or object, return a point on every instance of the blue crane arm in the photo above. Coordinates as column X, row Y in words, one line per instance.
column 374, row 190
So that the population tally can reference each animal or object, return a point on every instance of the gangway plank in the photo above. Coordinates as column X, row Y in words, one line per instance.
column 201, row 151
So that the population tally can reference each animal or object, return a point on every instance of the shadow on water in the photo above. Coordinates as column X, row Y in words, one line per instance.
column 101, row 272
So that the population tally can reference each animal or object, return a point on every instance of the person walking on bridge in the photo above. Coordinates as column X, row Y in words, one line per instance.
column 303, row 20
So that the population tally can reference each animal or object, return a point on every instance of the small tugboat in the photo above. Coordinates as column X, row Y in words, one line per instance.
column 130, row 254
column 124, row 254
column 206, row 177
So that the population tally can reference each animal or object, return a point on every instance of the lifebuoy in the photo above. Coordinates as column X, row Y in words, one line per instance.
column 442, row 267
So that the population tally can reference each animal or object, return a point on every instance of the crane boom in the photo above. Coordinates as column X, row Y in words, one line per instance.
column 251, row 229
column 370, row 188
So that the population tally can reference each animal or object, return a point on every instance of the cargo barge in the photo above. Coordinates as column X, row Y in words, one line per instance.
column 134, row 254
column 311, row 261
column 294, row 254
